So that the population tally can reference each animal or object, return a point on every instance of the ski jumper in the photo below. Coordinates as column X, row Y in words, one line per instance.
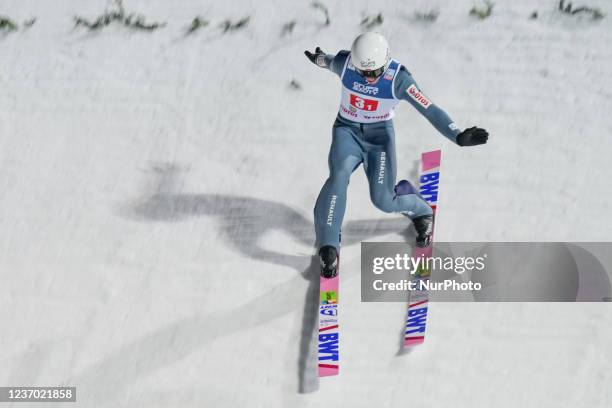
column 363, row 133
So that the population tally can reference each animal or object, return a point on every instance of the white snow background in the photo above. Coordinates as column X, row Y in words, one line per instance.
column 156, row 196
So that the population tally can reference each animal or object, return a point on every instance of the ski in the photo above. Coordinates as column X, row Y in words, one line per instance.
column 418, row 303
column 328, row 353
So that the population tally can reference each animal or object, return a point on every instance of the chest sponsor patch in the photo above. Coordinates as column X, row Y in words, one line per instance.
column 415, row 94
column 370, row 90
column 363, row 103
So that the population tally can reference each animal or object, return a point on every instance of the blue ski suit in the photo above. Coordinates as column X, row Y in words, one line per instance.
column 358, row 138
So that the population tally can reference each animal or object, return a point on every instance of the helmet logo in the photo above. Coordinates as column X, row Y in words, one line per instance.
column 368, row 63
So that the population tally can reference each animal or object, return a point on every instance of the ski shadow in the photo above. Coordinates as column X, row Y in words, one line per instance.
column 242, row 222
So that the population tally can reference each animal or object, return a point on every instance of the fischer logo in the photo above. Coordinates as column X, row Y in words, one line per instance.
column 381, row 170
column 363, row 103
column 429, row 186
column 418, row 96
column 370, row 90
column 330, row 214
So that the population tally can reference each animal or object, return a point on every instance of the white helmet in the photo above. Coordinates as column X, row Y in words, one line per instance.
column 370, row 54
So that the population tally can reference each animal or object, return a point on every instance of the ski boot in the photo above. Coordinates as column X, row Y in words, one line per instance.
column 424, row 229
column 423, row 224
column 328, row 257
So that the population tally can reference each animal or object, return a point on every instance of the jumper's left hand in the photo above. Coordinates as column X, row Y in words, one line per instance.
column 472, row 136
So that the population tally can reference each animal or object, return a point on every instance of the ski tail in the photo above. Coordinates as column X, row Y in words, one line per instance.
column 416, row 320
column 329, row 333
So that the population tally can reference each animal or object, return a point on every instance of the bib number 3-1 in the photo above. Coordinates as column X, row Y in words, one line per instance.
column 363, row 103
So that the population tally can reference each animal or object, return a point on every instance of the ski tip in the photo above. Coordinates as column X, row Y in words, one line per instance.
column 326, row 370
column 431, row 160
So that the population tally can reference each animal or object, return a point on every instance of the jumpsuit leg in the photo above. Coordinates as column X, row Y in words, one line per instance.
column 345, row 155
column 381, row 172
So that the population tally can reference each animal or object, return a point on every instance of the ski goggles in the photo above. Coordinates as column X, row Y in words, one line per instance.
column 374, row 73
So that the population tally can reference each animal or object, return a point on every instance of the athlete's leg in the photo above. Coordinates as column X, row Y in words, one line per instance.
column 345, row 155
column 381, row 172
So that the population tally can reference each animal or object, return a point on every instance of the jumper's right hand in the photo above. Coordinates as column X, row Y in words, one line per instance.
column 317, row 58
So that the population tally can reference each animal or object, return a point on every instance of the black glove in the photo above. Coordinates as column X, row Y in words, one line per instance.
column 472, row 136
column 318, row 58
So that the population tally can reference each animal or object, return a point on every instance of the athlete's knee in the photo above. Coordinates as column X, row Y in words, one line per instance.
column 340, row 172
column 339, row 178
column 404, row 187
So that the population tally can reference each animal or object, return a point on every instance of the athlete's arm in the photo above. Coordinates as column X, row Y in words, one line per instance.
column 407, row 89
column 334, row 63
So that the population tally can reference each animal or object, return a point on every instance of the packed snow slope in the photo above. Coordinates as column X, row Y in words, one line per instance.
column 156, row 195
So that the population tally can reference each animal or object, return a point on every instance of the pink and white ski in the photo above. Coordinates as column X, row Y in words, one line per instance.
column 328, row 353
column 418, row 304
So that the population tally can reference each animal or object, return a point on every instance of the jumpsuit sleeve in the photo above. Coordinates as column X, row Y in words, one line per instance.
column 336, row 62
column 407, row 89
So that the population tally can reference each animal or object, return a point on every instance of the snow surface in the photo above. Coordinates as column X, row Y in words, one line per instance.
column 156, row 198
